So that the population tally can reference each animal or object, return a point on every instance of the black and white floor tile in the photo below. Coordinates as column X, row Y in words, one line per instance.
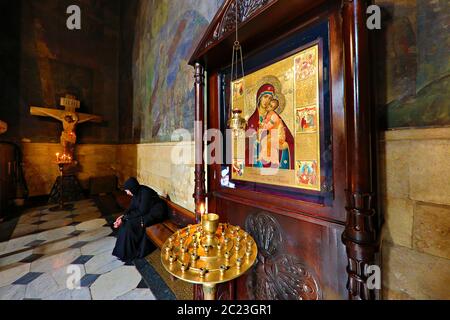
column 66, row 256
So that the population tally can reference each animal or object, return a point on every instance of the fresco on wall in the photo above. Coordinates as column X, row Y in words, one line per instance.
column 413, row 80
column 166, row 34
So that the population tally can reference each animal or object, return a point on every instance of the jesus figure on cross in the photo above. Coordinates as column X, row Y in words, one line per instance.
column 69, row 118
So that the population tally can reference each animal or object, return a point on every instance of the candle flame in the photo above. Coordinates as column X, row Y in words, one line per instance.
column 202, row 209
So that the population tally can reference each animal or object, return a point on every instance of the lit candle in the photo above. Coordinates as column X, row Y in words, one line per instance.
column 202, row 209
column 57, row 156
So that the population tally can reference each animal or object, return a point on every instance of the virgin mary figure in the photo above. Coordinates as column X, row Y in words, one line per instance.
column 259, row 135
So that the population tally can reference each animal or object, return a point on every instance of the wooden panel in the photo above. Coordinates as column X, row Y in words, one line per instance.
column 312, row 242
column 8, row 166
column 178, row 215
column 158, row 234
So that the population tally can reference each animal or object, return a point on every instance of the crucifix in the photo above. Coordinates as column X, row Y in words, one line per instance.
column 3, row 127
column 69, row 118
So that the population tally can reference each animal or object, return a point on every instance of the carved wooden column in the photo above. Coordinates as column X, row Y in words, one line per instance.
column 200, row 189
column 362, row 232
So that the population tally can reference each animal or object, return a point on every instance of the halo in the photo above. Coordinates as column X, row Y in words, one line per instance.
column 273, row 80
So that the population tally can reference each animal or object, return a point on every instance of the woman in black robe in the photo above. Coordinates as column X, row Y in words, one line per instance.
column 146, row 209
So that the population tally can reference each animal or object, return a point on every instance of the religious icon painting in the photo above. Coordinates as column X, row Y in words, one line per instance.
column 305, row 65
column 306, row 120
column 238, row 95
column 307, row 173
column 238, row 167
column 281, row 104
column 306, row 77
column 238, row 89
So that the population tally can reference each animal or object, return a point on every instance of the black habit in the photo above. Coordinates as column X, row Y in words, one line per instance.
column 146, row 209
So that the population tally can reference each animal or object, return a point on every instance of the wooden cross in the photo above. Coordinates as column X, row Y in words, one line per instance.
column 3, row 127
column 69, row 118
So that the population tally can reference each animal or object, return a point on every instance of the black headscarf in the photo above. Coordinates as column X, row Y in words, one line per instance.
column 133, row 185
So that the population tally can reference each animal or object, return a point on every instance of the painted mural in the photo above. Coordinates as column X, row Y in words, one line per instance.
column 166, row 34
column 413, row 86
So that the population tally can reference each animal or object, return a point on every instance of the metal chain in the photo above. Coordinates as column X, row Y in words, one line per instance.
column 237, row 52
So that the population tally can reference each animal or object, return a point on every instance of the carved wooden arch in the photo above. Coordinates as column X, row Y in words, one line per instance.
column 361, row 235
column 225, row 20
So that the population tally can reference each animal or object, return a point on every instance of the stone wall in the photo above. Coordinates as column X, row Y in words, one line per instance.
column 46, row 60
column 126, row 162
column 415, row 183
column 152, row 164
column 40, row 173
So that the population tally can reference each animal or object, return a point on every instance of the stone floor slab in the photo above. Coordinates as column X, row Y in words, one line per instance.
column 91, row 225
column 103, row 263
column 138, row 294
column 13, row 272
column 115, row 283
column 12, row 292
column 99, row 246
column 42, row 287
column 76, row 294
column 56, row 261
column 95, row 234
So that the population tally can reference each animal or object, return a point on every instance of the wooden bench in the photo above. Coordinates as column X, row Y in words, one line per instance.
column 178, row 218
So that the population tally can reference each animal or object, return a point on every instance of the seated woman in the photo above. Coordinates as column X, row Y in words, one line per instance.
column 146, row 209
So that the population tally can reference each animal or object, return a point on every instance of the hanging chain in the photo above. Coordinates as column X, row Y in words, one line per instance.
column 237, row 52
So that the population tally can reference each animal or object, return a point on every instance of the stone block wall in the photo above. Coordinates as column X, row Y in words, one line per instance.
column 166, row 167
column 415, row 190
column 40, row 171
column 126, row 162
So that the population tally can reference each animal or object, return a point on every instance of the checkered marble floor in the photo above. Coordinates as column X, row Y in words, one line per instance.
column 66, row 256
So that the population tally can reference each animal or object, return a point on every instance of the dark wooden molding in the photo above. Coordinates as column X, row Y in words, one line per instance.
column 200, row 189
column 224, row 23
column 262, row 17
column 361, row 235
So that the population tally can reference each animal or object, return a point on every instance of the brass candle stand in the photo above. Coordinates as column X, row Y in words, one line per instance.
column 209, row 253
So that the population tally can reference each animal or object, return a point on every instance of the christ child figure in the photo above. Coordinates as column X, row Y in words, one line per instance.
column 271, row 122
